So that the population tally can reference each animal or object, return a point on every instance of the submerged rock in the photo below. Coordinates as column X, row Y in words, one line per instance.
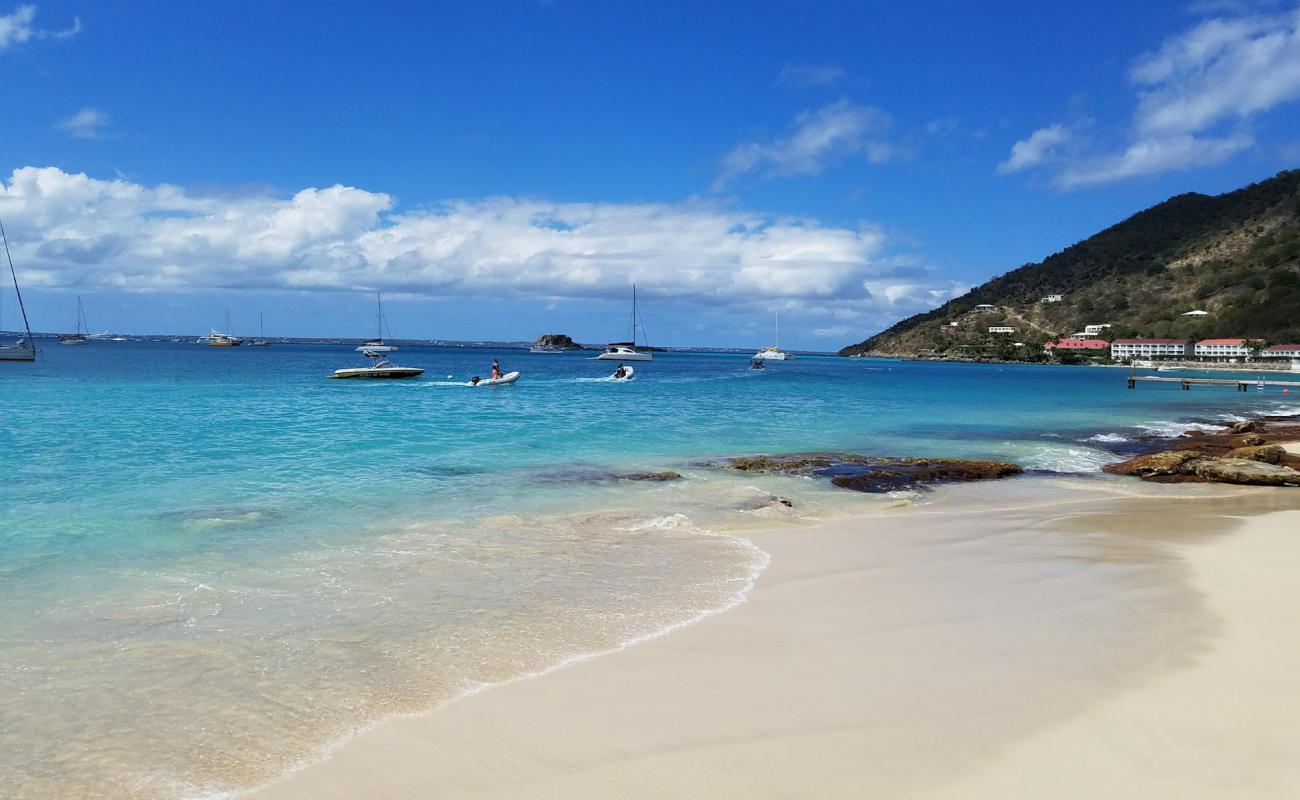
column 1247, row 426
column 1246, row 471
column 770, row 501
column 877, row 473
column 664, row 475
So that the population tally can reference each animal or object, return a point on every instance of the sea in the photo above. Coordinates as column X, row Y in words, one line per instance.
column 216, row 563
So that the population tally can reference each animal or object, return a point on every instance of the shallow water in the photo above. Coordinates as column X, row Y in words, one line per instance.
column 216, row 562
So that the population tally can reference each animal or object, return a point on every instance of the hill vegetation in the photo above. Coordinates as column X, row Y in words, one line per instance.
column 1235, row 256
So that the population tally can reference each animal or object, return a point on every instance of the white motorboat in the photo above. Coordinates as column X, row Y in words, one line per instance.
column 82, row 336
column 216, row 338
column 23, row 349
column 380, row 368
column 627, row 351
column 774, row 353
column 378, row 345
column 545, row 350
column 506, row 379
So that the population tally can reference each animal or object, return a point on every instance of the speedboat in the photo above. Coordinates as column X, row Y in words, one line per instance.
column 216, row 338
column 380, row 368
column 624, row 351
column 1168, row 368
column 504, row 380
column 545, row 349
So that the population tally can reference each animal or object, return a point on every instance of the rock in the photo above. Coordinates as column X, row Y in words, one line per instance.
column 1193, row 432
column 1253, row 440
column 1246, row 426
column 1245, row 471
column 876, row 473
column 561, row 340
column 1268, row 454
column 769, row 501
column 905, row 473
column 665, row 475
column 1171, row 462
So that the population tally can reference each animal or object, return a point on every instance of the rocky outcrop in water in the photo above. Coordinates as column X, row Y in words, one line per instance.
column 1240, row 455
column 876, row 473
column 560, row 340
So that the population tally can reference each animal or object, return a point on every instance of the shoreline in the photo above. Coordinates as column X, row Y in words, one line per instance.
column 581, row 731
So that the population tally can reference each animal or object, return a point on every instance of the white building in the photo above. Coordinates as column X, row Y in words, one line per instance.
column 1001, row 329
column 1223, row 348
column 1096, row 329
column 1281, row 351
column 1124, row 349
column 1197, row 313
column 1084, row 334
column 1053, row 298
column 984, row 308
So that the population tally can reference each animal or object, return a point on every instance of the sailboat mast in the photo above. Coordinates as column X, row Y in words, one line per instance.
column 778, row 328
column 379, row 317
column 634, row 316
column 13, row 274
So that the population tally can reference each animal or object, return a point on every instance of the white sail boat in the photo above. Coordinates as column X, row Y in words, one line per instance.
column 626, row 351
column 774, row 353
column 260, row 341
column 377, row 345
column 82, row 336
column 24, row 349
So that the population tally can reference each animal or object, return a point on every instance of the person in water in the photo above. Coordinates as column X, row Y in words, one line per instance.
column 620, row 373
column 496, row 369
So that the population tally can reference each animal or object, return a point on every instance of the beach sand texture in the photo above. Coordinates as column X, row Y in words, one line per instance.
column 1100, row 647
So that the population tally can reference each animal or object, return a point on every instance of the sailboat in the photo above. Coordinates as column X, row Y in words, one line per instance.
column 24, row 349
column 216, row 338
column 626, row 351
column 260, row 341
column 377, row 345
column 774, row 353
column 82, row 336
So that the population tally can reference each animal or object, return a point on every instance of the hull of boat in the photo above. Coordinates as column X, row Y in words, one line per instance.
column 17, row 353
column 624, row 357
column 73, row 340
column 224, row 344
column 390, row 373
column 504, row 380
column 377, row 348
column 768, row 355
column 545, row 351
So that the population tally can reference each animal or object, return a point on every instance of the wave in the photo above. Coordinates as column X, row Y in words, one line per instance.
column 1108, row 438
column 1058, row 458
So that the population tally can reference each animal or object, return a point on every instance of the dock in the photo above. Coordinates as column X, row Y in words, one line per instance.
column 1242, row 384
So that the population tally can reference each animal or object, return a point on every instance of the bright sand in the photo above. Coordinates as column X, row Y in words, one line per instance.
column 1103, row 646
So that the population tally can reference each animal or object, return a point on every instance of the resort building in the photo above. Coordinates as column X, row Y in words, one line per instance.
column 1083, row 335
column 1001, row 329
column 1222, row 349
column 1076, row 344
column 984, row 308
column 1281, row 351
column 1053, row 298
column 1094, row 330
column 1124, row 349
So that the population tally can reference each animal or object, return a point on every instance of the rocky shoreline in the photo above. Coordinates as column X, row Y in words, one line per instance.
column 1248, row 453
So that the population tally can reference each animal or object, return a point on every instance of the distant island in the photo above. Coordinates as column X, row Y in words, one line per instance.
column 559, row 341
column 1193, row 268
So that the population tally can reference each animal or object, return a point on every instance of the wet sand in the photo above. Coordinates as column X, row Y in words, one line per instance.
column 1100, row 638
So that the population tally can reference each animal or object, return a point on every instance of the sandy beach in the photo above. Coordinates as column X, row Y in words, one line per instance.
column 1106, row 639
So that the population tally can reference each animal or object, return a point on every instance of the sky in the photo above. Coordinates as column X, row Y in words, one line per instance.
column 503, row 169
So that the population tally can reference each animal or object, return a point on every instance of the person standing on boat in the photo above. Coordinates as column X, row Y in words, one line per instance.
column 496, row 369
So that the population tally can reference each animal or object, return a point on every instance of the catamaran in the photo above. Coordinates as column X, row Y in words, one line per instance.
column 82, row 336
column 377, row 345
column 626, row 351
column 24, row 349
column 774, row 353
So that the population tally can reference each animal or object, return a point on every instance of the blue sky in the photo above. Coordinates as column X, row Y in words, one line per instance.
column 504, row 169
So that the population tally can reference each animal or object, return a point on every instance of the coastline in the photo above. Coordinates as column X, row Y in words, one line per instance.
column 835, row 676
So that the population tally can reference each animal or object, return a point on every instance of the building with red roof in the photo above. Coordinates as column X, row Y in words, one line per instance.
column 1223, row 348
column 1077, row 344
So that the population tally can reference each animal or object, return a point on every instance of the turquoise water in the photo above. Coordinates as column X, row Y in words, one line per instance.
column 216, row 561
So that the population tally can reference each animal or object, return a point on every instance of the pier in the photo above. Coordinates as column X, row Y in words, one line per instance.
column 1242, row 384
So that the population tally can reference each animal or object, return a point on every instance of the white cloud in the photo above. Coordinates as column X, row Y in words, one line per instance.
column 87, row 123
column 1196, row 95
column 1041, row 145
column 71, row 229
column 809, row 74
column 18, row 27
column 820, row 137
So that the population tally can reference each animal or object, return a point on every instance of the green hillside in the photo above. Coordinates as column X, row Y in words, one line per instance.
column 1236, row 256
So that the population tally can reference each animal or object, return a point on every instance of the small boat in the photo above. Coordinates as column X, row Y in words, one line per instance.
column 378, row 345
column 509, row 377
column 82, row 336
column 260, row 341
column 626, row 351
column 628, row 372
column 23, row 349
column 757, row 363
column 1168, row 368
column 543, row 349
column 380, row 368
column 774, row 353
column 216, row 338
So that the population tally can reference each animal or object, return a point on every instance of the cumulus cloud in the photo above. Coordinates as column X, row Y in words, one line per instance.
column 19, row 26
column 1196, row 95
column 803, row 75
column 87, row 123
column 1033, row 151
column 71, row 229
column 820, row 137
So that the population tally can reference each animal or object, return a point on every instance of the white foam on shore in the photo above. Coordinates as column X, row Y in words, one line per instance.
column 1112, row 438
column 1172, row 429
column 1058, row 458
